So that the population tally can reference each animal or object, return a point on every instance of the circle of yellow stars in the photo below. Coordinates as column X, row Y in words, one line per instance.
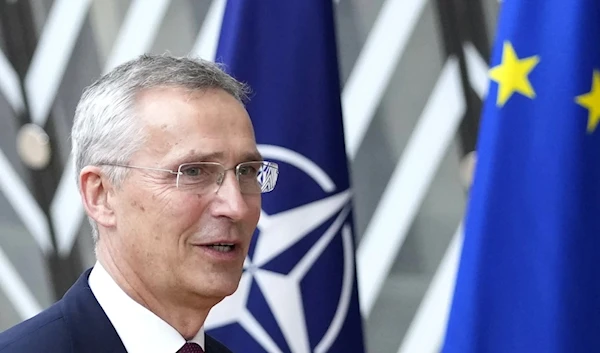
column 512, row 76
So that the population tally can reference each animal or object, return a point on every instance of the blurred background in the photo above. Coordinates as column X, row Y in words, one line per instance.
column 413, row 72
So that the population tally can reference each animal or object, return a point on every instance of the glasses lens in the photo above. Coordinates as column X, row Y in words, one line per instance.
column 199, row 176
column 257, row 177
column 253, row 177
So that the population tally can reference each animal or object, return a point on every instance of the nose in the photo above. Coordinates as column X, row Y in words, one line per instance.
column 231, row 202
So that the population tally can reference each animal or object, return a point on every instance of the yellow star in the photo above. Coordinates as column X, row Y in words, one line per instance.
column 591, row 101
column 511, row 74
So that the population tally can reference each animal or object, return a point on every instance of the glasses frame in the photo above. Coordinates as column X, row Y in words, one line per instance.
column 220, row 178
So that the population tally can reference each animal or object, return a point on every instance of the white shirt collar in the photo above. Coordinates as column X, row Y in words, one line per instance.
column 140, row 330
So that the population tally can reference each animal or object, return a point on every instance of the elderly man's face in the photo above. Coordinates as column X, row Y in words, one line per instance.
column 167, row 234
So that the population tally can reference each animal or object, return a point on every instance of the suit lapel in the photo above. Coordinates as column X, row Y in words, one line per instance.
column 214, row 346
column 91, row 329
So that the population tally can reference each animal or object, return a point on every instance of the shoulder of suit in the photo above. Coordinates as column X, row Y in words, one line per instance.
column 214, row 346
column 28, row 336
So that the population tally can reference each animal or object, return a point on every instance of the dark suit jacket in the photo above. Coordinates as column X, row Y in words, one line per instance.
column 74, row 324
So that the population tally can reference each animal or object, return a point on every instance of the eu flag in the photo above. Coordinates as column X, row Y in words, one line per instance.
column 298, row 292
column 529, row 276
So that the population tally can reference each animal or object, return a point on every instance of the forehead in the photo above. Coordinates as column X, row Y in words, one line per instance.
column 181, row 124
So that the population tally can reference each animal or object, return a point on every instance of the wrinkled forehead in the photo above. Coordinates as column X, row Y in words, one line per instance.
column 181, row 124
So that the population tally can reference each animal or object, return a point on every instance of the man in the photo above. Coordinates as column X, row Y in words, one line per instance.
column 171, row 180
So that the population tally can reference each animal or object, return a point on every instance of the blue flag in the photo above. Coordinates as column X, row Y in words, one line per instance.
column 529, row 276
column 298, row 292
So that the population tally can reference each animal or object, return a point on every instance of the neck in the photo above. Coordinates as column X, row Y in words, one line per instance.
column 186, row 319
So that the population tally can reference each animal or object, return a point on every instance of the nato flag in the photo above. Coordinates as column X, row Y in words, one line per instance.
column 298, row 292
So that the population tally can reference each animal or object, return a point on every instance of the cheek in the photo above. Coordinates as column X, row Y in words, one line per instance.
column 185, row 210
column 150, row 212
column 254, row 205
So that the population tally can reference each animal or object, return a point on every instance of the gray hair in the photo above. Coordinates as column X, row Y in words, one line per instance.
column 105, row 129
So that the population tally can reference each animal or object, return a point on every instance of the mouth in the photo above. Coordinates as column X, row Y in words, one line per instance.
column 222, row 247
column 221, row 251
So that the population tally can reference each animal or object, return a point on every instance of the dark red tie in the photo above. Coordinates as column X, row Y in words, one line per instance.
column 191, row 348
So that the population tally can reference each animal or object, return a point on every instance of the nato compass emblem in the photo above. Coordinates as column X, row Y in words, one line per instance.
column 295, row 292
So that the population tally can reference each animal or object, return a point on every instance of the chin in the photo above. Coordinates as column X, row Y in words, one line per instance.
column 229, row 291
column 229, row 286
column 220, row 286
column 219, row 293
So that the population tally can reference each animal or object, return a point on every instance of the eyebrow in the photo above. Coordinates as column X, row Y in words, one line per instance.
column 253, row 156
column 204, row 157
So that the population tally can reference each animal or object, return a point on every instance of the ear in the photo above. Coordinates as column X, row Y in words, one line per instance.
column 95, row 196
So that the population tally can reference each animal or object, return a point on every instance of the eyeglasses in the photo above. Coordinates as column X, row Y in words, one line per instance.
column 254, row 177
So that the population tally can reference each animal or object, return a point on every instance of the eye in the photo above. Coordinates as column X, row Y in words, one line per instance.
column 192, row 171
column 248, row 170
